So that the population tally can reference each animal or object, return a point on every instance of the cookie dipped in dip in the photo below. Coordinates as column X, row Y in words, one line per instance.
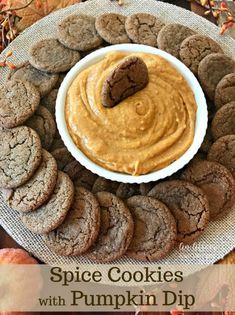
column 146, row 131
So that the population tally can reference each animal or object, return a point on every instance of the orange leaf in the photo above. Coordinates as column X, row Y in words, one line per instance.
column 37, row 10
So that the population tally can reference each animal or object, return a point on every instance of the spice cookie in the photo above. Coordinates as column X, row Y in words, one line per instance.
column 86, row 179
column 207, row 142
column 217, row 183
column 145, row 188
column 21, row 154
column 67, row 163
column 171, row 37
column 63, row 157
column 62, row 75
column 103, row 184
column 37, row 189
column 194, row 48
column 80, row 227
column 51, row 56
column 225, row 90
column 116, row 229
column 52, row 213
column 223, row 152
column 57, row 142
column 43, row 122
column 111, row 27
column 223, row 122
column 127, row 78
column 143, row 28
column 43, row 81
column 15, row 104
column 212, row 69
column 211, row 109
column 78, row 32
column 189, row 206
column 154, row 229
column 125, row 191
column 49, row 101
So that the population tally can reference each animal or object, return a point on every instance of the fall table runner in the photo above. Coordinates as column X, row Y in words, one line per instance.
column 218, row 240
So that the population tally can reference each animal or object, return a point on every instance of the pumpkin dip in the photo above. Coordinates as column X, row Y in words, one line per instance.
column 145, row 132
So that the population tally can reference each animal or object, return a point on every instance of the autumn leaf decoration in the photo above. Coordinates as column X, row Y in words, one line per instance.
column 216, row 9
column 36, row 10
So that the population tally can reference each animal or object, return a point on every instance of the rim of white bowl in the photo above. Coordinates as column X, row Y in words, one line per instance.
column 201, row 115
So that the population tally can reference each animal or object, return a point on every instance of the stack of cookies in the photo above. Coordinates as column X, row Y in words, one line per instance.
column 78, row 212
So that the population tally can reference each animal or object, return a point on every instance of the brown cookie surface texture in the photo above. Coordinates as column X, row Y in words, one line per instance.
column 154, row 229
column 37, row 189
column 111, row 27
column 194, row 48
column 223, row 121
column 171, row 37
column 225, row 91
column 143, row 28
column 52, row 213
column 78, row 32
column 223, row 152
column 217, row 183
column 189, row 206
column 43, row 81
column 129, row 77
column 80, row 227
column 116, row 229
column 44, row 124
column 212, row 69
column 18, row 101
column 51, row 56
column 21, row 154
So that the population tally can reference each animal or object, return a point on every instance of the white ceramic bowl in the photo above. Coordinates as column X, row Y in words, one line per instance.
column 201, row 118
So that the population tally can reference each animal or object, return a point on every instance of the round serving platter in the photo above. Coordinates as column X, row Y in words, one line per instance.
column 218, row 239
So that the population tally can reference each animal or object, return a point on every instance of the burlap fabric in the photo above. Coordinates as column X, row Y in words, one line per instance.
column 219, row 238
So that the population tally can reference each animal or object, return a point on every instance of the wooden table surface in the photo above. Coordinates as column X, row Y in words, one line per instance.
column 7, row 241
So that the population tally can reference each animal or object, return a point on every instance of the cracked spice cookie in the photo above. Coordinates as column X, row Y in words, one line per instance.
column 18, row 101
column 37, row 189
column 62, row 75
column 21, row 154
column 67, row 163
column 78, row 32
column 43, row 123
column 154, row 229
column 103, row 184
column 111, row 27
column 129, row 77
column 80, row 227
column 223, row 121
column 52, row 213
column 212, row 69
column 207, row 142
column 125, row 190
column 51, row 56
column 43, row 81
column 116, row 229
column 171, row 37
column 49, row 101
column 216, row 182
column 143, row 28
column 223, row 152
column 225, row 91
column 194, row 48
column 86, row 179
column 57, row 142
column 189, row 206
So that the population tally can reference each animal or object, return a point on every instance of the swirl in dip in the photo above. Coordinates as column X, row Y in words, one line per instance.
column 145, row 132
